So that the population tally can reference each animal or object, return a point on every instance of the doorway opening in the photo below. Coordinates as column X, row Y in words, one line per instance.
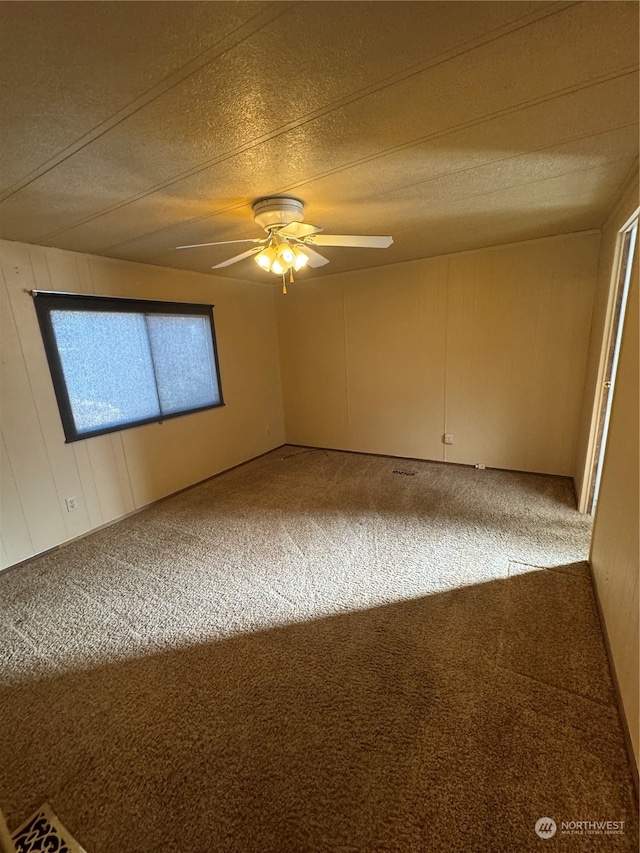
column 623, row 262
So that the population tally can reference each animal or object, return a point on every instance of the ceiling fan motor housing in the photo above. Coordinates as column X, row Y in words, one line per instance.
column 277, row 212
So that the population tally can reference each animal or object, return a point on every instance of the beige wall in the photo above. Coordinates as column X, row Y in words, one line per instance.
column 114, row 474
column 490, row 346
column 615, row 546
column 601, row 319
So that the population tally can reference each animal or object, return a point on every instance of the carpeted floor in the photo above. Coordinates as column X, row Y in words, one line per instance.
column 314, row 653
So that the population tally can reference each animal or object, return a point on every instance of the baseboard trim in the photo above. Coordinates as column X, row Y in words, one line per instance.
column 137, row 511
column 633, row 767
column 430, row 461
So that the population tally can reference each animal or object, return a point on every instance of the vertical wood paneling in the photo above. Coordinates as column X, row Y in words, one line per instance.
column 24, row 437
column 615, row 545
column 433, row 299
column 106, row 476
column 381, row 333
column 89, row 487
column 123, row 473
column 114, row 474
column 518, row 327
column 63, row 271
column 313, row 363
column 394, row 352
column 15, row 537
column 600, row 321
column 490, row 346
column 30, row 270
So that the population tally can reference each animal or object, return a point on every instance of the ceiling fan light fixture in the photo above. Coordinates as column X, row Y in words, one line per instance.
column 290, row 242
column 286, row 256
column 265, row 258
column 278, row 211
column 300, row 259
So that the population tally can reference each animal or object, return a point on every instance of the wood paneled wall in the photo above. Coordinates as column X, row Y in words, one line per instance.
column 615, row 546
column 490, row 346
column 114, row 474
column 603, row 306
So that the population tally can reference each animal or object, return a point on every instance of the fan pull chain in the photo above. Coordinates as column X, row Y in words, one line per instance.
column 284, row 282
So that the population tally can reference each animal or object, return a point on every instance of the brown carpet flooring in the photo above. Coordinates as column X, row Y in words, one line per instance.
column 314, row 653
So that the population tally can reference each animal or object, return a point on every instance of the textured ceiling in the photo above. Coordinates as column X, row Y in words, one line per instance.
column 131, row 128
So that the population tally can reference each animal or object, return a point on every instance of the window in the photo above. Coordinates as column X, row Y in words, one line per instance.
column 118, row 363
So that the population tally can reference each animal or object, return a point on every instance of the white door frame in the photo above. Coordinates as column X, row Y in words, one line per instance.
column 593, row 458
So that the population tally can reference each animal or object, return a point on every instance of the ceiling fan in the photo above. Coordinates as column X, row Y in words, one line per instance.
column 290, row 243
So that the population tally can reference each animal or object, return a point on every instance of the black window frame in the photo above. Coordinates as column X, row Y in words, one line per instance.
column 45, row 301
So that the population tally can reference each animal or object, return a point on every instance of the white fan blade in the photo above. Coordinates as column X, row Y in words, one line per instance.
column 237, row 258
column 350, row 240
column 221, row 243
column 299, row 229
column 315, row 260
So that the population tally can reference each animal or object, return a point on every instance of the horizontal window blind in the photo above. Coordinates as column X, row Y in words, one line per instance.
column 119, row 363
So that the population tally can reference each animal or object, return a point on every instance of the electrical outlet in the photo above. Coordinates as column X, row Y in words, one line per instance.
column 72, row 504
column 448, row 438
column 480, row 465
